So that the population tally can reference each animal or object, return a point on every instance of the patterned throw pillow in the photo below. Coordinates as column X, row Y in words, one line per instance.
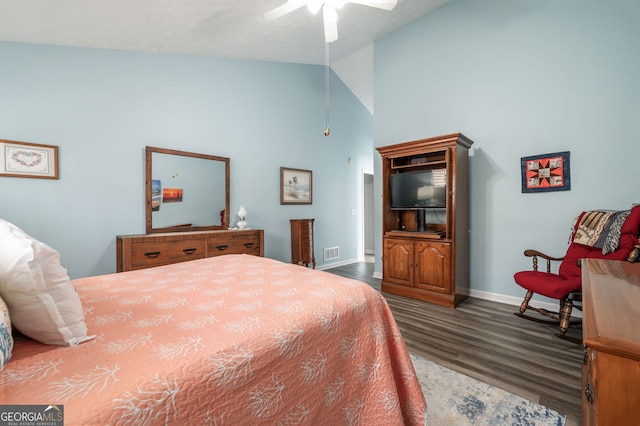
column 6, row 341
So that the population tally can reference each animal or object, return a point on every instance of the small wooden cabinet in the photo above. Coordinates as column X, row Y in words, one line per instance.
column 148, row 250
column 611, row 370
column 302, row 251
column 426, row 239
column 417, row 263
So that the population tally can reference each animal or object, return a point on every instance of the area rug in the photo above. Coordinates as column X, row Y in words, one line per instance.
column 455, row 399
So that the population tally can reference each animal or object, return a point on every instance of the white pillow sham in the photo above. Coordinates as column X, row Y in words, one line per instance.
column 43, row 303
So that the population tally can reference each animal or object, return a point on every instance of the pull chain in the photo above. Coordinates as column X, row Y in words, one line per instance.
column 327, row 130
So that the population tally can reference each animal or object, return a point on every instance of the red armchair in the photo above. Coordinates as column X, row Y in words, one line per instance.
column 596, row 234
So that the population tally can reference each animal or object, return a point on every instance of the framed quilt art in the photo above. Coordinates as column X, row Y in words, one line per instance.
column 29, row 160
column 546, row 172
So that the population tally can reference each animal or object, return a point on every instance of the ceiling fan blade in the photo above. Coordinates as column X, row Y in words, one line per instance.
column 288, row 7
column 314, row 5
column 330, row 23
column 380, row 4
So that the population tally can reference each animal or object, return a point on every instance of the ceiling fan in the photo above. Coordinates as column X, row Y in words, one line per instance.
column 328, row 11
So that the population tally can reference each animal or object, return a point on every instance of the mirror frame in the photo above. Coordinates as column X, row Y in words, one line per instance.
column 148, row 177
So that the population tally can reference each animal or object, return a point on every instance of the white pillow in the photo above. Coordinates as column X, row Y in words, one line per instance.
column 42, row 301
column 6, row 340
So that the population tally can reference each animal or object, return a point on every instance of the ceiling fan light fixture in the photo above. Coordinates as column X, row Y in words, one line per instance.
column 329, row 11
column 330, row 23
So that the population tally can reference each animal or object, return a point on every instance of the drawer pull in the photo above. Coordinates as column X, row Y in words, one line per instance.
column 222, row 247
column 248, row 245
column 189, row 250
column 152, row 254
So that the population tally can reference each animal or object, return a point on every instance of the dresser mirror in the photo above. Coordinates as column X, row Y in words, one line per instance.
column 186, row 191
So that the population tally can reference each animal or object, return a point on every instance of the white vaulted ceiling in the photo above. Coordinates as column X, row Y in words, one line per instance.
column 223, row 28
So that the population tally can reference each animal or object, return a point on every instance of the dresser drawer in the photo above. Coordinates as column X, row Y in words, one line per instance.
column 247, row 243
column 154, row 253
column 146, row 251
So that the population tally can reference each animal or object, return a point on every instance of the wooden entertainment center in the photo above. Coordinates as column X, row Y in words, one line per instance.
column 426, row 245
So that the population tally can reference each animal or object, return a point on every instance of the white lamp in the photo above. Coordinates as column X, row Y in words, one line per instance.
column 242, row 214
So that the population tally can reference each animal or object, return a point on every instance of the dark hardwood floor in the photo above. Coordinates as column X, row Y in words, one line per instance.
column 484, row 340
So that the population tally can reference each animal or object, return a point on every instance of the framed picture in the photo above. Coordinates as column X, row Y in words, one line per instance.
column 546, row 172
column 172, row 195
column 295, row 186
column 30, row 160
column 156, row 194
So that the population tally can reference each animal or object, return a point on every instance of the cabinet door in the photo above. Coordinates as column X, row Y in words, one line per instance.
column 397, row 263
column 433, row 267
column 615, row 390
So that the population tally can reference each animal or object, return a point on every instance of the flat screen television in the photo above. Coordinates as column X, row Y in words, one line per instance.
column 419, row 190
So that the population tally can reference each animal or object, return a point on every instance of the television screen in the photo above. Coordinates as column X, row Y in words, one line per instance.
column 416, row 190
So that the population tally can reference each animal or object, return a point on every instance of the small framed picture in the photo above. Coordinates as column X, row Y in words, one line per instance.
column 546, row 172
column 295, row 186
column 29, row 160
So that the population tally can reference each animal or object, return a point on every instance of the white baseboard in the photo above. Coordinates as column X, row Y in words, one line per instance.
column 500, row 298
column 516, row 301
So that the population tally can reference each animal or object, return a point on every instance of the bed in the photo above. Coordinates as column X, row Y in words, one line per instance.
column 228, row 340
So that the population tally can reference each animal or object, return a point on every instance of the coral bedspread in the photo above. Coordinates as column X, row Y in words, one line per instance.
column 229, row 340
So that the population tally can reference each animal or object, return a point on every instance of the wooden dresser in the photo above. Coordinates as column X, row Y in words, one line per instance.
column 148, row 250
column 302, row 251
column 611, row 370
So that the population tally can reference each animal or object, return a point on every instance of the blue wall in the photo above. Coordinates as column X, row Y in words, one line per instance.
column 520, row 78
column 103, row 107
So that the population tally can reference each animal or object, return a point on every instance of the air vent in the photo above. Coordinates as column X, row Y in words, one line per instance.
column 331, row 253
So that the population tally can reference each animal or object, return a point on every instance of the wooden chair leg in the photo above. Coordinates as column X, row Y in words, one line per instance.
column 565, row 315
column 561, row 318
column 525, row 303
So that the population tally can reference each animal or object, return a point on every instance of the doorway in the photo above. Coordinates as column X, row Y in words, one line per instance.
column 367, row 217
